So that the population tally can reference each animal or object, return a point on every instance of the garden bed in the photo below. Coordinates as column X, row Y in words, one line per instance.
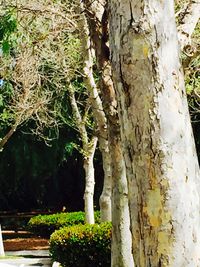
column 23, row 241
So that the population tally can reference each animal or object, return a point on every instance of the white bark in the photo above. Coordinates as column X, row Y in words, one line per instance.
column 89, row 147
column 100, row 118
column 121, row 237
column 188, row 22
column 105, row 198
column 89, row 181
column 160, row 157
column 80, row 123
column 2, row 253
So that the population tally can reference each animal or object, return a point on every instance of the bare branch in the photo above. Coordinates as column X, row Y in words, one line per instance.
column 5, row 139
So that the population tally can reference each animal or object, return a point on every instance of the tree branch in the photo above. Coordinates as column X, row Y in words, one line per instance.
column 95, row 100
column 77, row 116
column 5, row 139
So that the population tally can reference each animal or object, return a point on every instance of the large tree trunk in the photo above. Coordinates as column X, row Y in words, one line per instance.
column 121, row 238
column 161, row 162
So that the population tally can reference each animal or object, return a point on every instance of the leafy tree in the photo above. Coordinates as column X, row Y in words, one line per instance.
column 28, row 45
column 47, row 68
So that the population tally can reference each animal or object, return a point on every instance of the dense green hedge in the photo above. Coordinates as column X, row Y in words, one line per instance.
column 45, row 225
column 82, row 245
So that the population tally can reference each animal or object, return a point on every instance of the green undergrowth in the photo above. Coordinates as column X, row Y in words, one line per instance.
column 82, row 245
column 45, row 225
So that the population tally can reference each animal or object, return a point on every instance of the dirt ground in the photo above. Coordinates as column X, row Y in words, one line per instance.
column 21, row 242
column 25, row 244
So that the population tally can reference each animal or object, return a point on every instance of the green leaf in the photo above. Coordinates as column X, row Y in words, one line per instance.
column 1, row 101
column 8, row 24
column 69, row 148
column 6, row 47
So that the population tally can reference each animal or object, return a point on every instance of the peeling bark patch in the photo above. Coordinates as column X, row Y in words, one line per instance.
column 164, row 243
column 159, row 219
column 155, row 210
column 154, row 207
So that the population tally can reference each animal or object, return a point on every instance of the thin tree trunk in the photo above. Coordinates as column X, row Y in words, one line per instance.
column 161, row 162
column 121, row 236
column 2, row 253
column 105, row 198
column 101, row 121
column 89, row 147
column 89, row 182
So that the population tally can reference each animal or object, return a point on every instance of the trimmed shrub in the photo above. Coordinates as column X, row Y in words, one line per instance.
column 45, row 225
column 82, row 245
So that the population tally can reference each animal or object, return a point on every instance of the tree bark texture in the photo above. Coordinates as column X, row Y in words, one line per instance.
column 160, row 156
column 121, row 235
column 100, row 118
column 188, row 22
column 97, row 17
column 89, row 181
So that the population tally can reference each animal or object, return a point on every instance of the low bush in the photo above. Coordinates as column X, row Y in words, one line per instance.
column 82, row 245
column 45, row 225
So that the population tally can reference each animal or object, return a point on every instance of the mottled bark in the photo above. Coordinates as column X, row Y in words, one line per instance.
column 189, row 20
column 96, row 12
column 105, row 198
column 121, row 236
column 160, row 157
column 100, row 118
